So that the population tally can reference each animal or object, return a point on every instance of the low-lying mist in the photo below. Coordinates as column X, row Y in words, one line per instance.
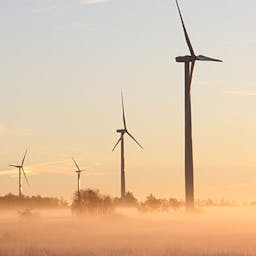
column 128, row 231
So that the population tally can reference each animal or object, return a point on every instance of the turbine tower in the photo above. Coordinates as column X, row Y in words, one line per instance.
column 78, row 171
column 21, row 170
column 121, row 139
column 189, row 63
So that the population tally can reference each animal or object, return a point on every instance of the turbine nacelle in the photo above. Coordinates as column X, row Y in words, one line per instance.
column 121, row 131
column 186, row 58
column 80, row 171
column 190, row 58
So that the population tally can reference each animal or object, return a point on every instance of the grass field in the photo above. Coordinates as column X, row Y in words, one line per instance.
column 212, row 231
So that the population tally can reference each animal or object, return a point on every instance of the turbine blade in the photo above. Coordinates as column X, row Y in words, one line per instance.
column 117, row 143
column 25, row 175
column 124, row 121
column 76, row 164
column 185, row 32
column 134, row 140
column 204, row 58
column 14, row 166
column 24, row 157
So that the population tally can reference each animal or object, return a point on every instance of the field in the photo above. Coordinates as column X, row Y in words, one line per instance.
column 210, row 231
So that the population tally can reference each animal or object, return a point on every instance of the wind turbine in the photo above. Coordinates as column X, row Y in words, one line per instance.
column 121, row 139
column 78, row 171
column 189, row 62
column 21, row 170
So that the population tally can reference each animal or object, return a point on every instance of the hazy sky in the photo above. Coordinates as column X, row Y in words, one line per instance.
column 62, row 67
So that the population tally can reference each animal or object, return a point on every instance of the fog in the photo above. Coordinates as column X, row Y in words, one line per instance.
column 209, row 231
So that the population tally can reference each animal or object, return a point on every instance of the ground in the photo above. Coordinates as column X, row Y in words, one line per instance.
column 209, row 231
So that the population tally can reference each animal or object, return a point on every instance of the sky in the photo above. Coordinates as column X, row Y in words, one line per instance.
column 64, row 64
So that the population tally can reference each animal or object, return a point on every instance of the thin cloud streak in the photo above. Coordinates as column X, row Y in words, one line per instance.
column 88, row 2
column 13, row 172
column 11, row 130
column 242, row 93
column 61, row 166
column 73, row 26
column 45, row 9
column 57, row 167
column 46, row 167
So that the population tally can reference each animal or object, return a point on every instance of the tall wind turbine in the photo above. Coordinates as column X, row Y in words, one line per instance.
column 121, row 139
column 189, row 62
column 21, row 170
column 78, row 171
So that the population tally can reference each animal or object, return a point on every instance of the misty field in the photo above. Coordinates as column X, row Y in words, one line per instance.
column 211, row 231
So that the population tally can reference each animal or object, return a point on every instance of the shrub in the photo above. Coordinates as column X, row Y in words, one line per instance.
column 11, row 201
column 91, row 202
column 129, row 200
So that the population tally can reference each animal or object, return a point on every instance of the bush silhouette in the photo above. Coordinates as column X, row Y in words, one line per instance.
column 154, row 204
column 129, row 200
column 151, row 203
column 175, row 204
column 10, row 201
column 91, row 202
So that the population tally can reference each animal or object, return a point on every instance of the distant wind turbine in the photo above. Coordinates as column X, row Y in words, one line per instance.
column 189, row 62
column 121, row 139
column 21, row 170
column 78, row 171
